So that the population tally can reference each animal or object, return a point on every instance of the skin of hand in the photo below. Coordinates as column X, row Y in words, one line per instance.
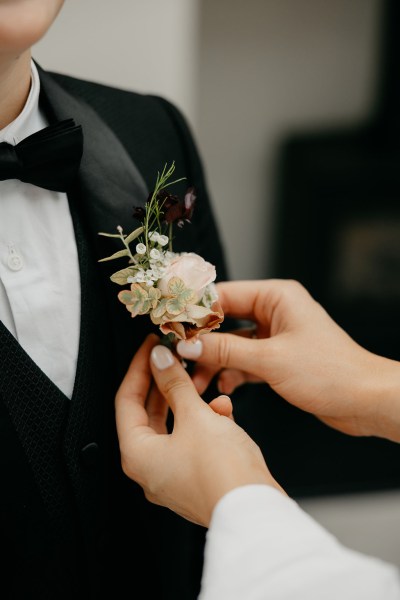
column 303, row 355
column 205, row 456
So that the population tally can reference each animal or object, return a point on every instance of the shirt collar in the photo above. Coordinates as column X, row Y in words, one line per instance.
column 30, row 119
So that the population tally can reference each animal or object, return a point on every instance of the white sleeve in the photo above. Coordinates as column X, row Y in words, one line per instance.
column 261, row 545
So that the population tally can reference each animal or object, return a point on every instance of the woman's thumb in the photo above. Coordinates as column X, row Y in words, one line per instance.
column 173, row 381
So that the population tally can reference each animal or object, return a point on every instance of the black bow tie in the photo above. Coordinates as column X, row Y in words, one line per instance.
column 49, row 158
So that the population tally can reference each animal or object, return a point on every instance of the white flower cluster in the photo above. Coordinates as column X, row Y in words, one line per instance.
column 157, row 238
column 151, row 265
column 210, row 295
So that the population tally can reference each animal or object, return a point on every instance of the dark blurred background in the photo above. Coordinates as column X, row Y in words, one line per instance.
column 337, row 230
column 337, row 209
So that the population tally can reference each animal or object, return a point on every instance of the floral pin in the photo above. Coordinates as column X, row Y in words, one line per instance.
column 176, row 290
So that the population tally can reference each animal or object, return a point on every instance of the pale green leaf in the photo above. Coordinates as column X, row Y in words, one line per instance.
column 114, row 235
column 118, row 254
column 121, row 277
column 176, row 286
column 125, row 297
column 160, row 309
column 187, row 296
column 134, row 299
column 181, row 295
column 132, row 236
column 154, row 296
column 175, row 305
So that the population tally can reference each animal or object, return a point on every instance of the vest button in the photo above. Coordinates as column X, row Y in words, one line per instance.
column 90, row 455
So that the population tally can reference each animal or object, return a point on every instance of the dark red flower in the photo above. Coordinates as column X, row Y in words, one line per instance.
column 139, row 213
column 178, row 211
column 172, row 208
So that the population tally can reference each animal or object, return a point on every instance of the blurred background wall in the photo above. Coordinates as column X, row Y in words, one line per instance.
column 245, row 74
column 269, row 67
column 144, row 45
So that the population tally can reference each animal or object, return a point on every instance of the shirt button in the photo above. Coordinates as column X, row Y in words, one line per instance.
column 14, row 262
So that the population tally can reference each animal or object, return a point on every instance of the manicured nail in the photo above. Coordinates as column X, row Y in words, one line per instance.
column 190, row 350
column 161, row 357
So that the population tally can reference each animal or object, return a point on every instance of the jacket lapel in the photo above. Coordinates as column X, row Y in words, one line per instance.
column 109, row 180
column 109, row 186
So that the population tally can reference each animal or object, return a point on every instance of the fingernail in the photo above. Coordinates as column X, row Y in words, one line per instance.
column 161, row 357
column 190, row 350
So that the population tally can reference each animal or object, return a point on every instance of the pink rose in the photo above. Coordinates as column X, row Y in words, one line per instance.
column 196, row 273
column 188, row 319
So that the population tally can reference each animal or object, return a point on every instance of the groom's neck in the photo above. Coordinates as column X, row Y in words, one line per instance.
column 15, row 81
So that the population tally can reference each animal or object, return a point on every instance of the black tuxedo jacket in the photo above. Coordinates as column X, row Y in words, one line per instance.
column 70, row 522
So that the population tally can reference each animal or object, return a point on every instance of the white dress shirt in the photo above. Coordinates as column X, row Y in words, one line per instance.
column 262, row 546
column 39, row 270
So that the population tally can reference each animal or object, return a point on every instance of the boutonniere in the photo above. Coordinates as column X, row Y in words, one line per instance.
column 176, row 290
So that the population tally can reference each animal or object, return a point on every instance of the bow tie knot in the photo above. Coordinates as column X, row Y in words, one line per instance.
column 49, row 158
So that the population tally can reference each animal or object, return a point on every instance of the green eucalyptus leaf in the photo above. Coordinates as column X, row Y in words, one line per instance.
column 118, row 254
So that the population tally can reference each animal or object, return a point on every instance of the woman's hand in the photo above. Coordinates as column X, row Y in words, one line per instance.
column 303, row 355
column 204, row 457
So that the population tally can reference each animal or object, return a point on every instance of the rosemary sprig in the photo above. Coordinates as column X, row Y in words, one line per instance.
column 153, row 207
column 151, row 222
